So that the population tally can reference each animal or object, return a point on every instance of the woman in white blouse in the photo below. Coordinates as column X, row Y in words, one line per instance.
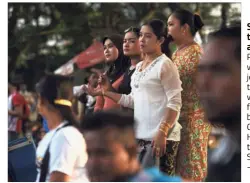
column 155, row 98
column 61, row 155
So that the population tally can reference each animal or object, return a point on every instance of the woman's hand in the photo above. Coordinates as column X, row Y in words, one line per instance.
column 103, row 80
column 159, row 144
column 105, row 83
column 93, row 91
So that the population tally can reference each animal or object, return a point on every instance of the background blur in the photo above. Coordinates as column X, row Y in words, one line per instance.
column 44, row 36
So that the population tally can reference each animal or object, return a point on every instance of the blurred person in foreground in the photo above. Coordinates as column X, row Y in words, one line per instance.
column 219, row 85
column 61, row 154
column 112, row 150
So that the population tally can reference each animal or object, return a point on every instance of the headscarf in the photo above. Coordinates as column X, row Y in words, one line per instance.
column 120, row 65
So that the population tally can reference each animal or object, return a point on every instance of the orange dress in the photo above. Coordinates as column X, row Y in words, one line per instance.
column 104, row 103
column 192, row 155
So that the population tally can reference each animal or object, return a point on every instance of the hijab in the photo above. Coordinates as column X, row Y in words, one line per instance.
column 121, row 64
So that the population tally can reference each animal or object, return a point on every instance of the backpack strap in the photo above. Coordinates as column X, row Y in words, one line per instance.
column 46, row 158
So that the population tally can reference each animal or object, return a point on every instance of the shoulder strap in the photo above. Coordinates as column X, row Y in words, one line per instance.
column 45, row 161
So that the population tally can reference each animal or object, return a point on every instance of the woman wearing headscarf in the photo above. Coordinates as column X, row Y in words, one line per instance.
column 117, row 64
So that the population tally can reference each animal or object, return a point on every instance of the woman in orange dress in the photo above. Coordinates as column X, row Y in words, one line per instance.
column 192, row 155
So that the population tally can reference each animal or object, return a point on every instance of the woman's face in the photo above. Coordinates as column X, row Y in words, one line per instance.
column 131, row 46
column 175, row 29
column 148, row 40
column 110, row 51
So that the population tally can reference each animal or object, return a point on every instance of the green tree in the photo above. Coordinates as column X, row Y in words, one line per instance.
column 43, row 36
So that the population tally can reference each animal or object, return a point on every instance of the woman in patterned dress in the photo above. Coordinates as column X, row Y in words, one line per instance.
column 192, row 155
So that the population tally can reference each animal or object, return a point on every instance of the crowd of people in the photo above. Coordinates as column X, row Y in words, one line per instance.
column 148, row 115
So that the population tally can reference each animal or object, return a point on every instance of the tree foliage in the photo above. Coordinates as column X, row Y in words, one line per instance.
column 43, row 36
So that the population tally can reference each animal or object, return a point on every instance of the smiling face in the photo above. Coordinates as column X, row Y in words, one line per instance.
column 131, row 45
column 110, row 51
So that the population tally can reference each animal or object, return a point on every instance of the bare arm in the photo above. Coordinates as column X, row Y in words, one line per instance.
column 99, row 102
column 18, row 111
column 122, row 99
column 112, row 95
column 59, row 177
column 170, row 116
column 81, row 111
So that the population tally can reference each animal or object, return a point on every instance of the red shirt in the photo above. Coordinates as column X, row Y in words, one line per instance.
column 19, row 100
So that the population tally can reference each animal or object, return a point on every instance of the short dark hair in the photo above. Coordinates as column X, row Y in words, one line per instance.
column 229, row 33
column 52, row 87
column 122, row 122
column 108, row 118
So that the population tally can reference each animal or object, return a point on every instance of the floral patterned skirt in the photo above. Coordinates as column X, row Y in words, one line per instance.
column 192, row 154
column 166, row 164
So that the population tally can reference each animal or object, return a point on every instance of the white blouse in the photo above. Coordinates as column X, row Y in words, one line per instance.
column 154, row 89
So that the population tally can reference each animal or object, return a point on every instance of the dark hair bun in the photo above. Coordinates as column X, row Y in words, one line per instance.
column 198, row 24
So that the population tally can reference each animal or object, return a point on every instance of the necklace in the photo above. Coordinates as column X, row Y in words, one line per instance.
column 139, row 75
column 146, row 63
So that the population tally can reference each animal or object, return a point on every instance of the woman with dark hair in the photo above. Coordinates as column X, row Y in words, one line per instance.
column 155, row 98
column 131, row 49
column 117, row 63
column 61, row 155
column 192, row 155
